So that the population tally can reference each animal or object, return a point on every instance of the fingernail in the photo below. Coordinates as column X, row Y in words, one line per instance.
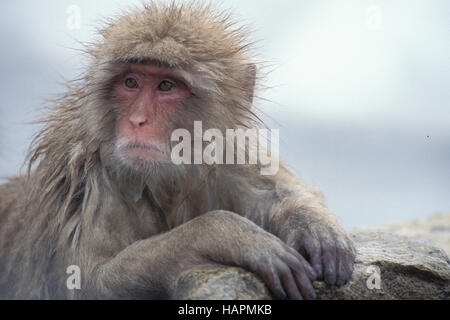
column 319, row 272
column 331, row 279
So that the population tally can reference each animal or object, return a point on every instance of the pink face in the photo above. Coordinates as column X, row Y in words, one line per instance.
column 147, row 97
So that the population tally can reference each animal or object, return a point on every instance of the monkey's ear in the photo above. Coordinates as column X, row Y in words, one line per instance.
column 249, row 82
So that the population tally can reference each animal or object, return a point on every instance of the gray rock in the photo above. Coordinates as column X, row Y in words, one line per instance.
column 388, row 266
column 435, row 229
column 220, row 283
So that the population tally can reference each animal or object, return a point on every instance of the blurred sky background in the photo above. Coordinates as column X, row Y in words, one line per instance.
column 359, row 90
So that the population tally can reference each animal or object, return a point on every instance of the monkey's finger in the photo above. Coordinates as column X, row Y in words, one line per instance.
column 289, row 283
column 349, row 262
column 329, row 261
column 314, row 250
column 350, row 270
column 305, row 285
column 303, row 278
column 342, row 265
column 297, row 262
column 272, row 280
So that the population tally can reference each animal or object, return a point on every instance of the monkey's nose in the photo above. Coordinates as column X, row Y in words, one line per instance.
column 138, row 120
column 139, row 124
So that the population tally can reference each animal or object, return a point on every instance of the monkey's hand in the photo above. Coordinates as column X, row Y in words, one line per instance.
column 234, row 240
column 323, row 243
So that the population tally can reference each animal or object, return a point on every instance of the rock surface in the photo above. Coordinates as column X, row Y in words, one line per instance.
column 388, row 266
column 220, row 283
column 435, row 229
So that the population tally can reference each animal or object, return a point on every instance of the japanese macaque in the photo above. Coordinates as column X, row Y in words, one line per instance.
column 102, row 193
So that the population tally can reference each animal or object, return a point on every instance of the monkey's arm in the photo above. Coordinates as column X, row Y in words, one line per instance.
column 295, row 213
column 150, row 268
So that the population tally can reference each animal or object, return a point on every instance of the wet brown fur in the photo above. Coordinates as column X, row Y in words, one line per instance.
column 77, row 206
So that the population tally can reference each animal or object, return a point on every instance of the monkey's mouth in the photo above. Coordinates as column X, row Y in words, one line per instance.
column 142, row 146
column 142, row 152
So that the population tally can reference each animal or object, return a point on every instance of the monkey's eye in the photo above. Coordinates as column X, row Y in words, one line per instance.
column 166, row 86
column 131, row 83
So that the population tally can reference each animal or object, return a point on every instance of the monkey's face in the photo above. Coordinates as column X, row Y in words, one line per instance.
column 147, row 97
